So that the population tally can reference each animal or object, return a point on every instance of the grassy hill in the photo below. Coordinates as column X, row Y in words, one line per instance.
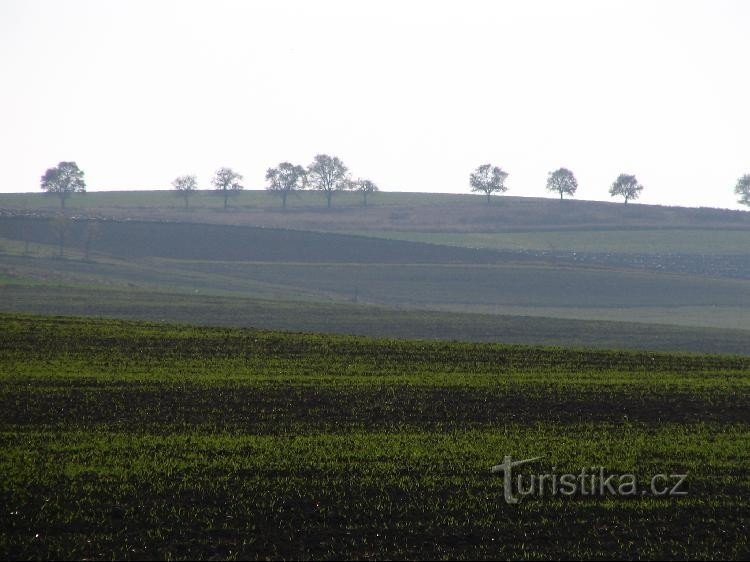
column 410, row 212
column 665, row 266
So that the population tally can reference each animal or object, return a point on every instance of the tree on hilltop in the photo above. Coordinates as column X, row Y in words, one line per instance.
column 185, row 187
column 63, row 180
column 327, row 174
column 365, row 187
column 285, row 179
column 743, row 189
column 563, row 182
column 488, row 179
column 227, row 182
column 627, row 186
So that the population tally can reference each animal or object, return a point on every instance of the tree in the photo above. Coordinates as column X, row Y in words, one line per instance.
column 63, row 180
column 743, row 189
column 365, row 187
column 285, row 179
column 488, row 179
column 563, row 181
column 627, row 186
column 185, row 186
column 327, row 174
column 227, row 182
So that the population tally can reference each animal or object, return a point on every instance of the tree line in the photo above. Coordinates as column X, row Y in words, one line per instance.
column 490, row 179
column 328, row 175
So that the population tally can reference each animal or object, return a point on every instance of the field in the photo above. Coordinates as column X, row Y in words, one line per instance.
column 632, row 277
column 313, row 384
column 640, row 241
column 386, row 211
column 134, row 440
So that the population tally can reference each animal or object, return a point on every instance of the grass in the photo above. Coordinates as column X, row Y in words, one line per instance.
column 136, row 440
column 251, row 199
column 390, row 211
column 643, row 241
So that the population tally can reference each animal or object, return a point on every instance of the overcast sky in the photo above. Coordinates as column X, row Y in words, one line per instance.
column 412, row 95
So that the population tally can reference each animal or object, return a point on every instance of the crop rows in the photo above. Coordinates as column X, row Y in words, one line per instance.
column 136, row 440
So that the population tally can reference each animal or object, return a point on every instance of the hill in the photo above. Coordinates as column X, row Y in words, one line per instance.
column 388, row 211
column 685, row 273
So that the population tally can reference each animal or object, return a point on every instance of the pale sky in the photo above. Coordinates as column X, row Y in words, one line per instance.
column 412, row 95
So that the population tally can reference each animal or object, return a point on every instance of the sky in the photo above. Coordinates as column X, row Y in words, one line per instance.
column 412, row 95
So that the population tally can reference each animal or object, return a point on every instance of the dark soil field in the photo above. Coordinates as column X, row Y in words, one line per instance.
column 134, row 440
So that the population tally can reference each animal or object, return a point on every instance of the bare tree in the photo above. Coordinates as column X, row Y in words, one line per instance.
column 328, row 175
column 227, row 182
column 488, row 179
column 185, row 187
column 284, row 180
column 365, row 187
column 563, row 181
column 63, row 180
column 743, row 189
column 627, row 186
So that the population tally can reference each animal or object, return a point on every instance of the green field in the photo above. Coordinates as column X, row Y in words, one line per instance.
column 133, row 440
column 208, row 200
column 401, row 212
column 641, row 241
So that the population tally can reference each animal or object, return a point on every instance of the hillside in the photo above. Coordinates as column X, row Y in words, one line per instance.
column 411, row 212
column 669, row 267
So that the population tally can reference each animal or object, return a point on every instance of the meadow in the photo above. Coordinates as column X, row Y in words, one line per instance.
column 137, row 440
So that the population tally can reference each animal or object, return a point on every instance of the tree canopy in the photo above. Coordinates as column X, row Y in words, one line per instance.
column 327, row 174
column 227, row 182
column 365, row 187
column 63, row 180
column 488, row 179
column 563, row 182
column 286, row 178
column 185, row 186
column 627, row 186
column 743, row 189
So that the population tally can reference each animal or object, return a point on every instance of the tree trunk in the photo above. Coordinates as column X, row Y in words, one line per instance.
column 561, row 196
column 226, row 198
column 626, row 200
column 328, row 196
column 488, row 197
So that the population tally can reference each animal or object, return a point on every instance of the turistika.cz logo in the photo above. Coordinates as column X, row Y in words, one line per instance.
column 590, row 481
